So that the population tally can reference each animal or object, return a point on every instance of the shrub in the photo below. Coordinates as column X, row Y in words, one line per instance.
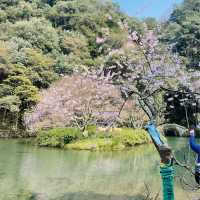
column 58, row 137
column 93, row 138
column 131, row 137
column 110, row 139
column 97, row 144
column 91, row 130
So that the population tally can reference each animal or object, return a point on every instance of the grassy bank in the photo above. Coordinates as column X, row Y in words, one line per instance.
column 92, row 138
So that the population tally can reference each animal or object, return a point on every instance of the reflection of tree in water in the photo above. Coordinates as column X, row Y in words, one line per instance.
column 53, row 174
column 98, row 172
column 27, row 195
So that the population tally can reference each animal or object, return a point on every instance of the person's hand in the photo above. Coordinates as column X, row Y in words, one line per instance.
column 192, row 132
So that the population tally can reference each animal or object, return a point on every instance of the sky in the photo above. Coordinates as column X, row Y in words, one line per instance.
column 159, row 9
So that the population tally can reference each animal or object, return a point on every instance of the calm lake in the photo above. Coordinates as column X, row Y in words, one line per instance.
column 31, row 173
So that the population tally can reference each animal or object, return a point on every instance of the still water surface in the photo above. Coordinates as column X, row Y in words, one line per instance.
column 31, row 173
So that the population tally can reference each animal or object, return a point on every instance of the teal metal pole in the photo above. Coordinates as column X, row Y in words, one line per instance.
column 167, row 174
column 166, row 167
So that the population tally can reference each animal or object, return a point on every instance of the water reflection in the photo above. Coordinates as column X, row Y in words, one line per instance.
column 30, row 173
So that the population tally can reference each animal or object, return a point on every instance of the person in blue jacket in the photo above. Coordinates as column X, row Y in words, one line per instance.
column 196, row 148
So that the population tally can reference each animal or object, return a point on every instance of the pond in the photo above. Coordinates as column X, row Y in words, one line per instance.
column 31, row 173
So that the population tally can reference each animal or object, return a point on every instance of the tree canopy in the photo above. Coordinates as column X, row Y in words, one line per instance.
column 182, row 31
column 44, row 40
column 41, row 40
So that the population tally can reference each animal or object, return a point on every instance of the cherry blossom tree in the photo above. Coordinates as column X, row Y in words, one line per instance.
column 80, row 100
column 144, row 75
column 148, row 71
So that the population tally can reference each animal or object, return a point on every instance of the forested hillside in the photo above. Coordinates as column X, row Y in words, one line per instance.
column 43, row 40
column 182, row 32
column 83, row 75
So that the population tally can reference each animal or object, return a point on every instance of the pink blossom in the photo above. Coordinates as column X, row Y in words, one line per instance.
column 100, row 40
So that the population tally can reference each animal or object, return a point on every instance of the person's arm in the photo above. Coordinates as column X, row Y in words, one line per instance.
column 194, row 146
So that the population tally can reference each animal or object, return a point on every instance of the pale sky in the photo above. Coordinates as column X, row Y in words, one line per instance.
column 148, row 8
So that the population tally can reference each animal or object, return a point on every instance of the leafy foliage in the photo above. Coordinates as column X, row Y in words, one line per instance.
column 104, row 24
column 10, row 103
column 42, row 39
column 149, row 74
column 38, row 32
column 182, row 31
column 100, row 139
column 114, row 139
column 58, row 137
column 130, row 137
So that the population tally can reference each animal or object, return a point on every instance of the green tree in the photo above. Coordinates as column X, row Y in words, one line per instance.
column 5, row 3
column 38, row 32
column 40, row 68
column 79, row 16
column 151, row 23
column 42, row 39
column 182, row 31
